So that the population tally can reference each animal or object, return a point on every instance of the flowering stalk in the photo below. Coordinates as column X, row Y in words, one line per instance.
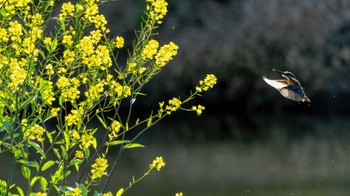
column 65, row 77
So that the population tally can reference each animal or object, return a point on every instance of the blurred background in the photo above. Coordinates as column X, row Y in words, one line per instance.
column 249, row 140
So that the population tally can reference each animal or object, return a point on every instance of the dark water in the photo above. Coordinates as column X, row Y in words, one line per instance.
column 308, row 156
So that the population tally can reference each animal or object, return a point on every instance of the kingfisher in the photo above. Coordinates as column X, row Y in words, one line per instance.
column 289, row 87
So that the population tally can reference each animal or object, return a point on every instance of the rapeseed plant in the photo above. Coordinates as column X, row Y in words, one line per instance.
column 71, row 76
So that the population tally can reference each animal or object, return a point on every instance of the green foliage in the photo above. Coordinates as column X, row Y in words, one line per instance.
column 70, row 77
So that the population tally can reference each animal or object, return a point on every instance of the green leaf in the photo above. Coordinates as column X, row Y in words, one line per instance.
column 35, row 178
column 117, row 142
column 38, row 149
column 47, row 165
column 43, row 183
column 58, row 155
column 20, row 191
column 149, row 123
column 42, row 53
column 49, row 136
column 25, row 172
column 54, row 45
column 133, row 145
column 29, row 163
column 102, row 122
column 120, row 192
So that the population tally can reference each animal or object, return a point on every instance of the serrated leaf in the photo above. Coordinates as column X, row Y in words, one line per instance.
column 117, row 142
column 133, row 145
column 47, row 165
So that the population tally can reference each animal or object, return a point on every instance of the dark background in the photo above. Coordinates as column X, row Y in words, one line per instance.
column 249, row 140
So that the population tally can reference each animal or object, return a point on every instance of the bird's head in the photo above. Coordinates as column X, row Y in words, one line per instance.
column 286, row 74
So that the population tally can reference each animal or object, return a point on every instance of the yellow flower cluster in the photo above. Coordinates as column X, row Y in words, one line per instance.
column 114, row 130
column 199, row 109
column 54, row 112
column 157, row 10
column 49, row 69
column 74, row 117
column 87, row 140
column 173, row 105
column 165, row 54
column 79, row 154
column 77, row 192
column 94, row 57
column 35, row 133
column 15, row 31
column 69, row 88
column 68, row 40
column 118, row 89
column 119, row 42
column 94, row 92
column 99, row 168
column 179, row 194
column 67, row 9
column 208, row 82
column 150, row 49
column 157, row 163
column 17, row 77
column 68, row 57
column 46, row 90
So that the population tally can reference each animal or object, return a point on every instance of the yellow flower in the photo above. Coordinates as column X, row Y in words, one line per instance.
column 76, row 192
column 15, row 30
column 174, row 105
column 94, row 92
column 49, row 69
column 199, row 109
column 166, row 53
column 79, row 154
column 67, row 9
column 67, row 39
column 99, row 168
column 35, row 133
column 114, row 129
column 131, row 66
column 119, row 42
column 157, row 163
column 150, row 49
column 179, row 194
column 47, row 41
column 157, row 9
column 208, row 82
column 73, row 118
column 88, row 140
column 54, row 112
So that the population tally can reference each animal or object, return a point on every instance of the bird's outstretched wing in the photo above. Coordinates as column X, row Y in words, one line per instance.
column 277, row 84
column 293, row 92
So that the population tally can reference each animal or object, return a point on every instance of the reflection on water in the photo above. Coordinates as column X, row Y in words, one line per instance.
column 316, row 163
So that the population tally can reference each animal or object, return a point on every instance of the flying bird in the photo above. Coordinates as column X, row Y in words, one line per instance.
column 289, row 87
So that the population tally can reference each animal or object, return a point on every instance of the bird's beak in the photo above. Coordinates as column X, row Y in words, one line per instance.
column 278, row 71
